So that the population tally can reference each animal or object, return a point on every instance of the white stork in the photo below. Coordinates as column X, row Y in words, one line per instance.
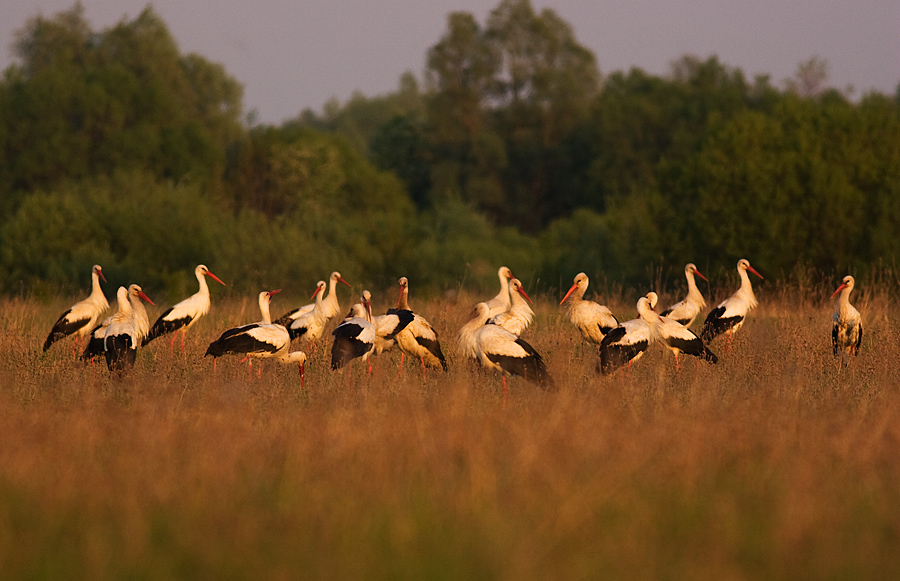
column 627, row 342
column 330, row 302
column 846, row 330
column 729, row 316
column 673, row 335
column 82, row 317
column 501, row 302
column 466, row 343
column 418, row 338
column 184, row 314
column 503, row 351
column 519, row 315
column 310, row 324
column 125, row 330
column 355, row 336
column 263, row 339
column 687, row 310
column 95, row 344
column 593, row 320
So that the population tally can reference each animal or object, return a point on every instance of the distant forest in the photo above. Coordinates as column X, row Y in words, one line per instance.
column 512, row 147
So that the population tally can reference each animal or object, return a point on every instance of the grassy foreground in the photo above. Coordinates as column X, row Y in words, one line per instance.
column 774, row 464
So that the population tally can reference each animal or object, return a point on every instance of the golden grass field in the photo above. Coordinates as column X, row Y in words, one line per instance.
column 773, row 464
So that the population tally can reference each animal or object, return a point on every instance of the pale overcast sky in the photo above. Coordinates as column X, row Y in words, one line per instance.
column 294, row 54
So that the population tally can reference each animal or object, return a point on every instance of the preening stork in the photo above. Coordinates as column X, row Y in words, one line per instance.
column 686, row 311
column 501, row 302
column 466, row 342
column 519, row 315
column 263, row 339
column 418, row 338
column 125, row 330
column 673, row 335
column 330, row 304
column 503, row 351
column 309, row 325
column 184, row 314
column 729, row 316
column 82, row 317
column 95, row 344
column 846, row 330
column 593, row 320
column 628, row 342
column 355, row 336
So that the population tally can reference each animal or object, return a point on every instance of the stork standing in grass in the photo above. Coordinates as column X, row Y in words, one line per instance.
column 418, row 338
column 686, row 311
column 330, row 304
column 82, row 317
column 674, row 336
column 136, row 297
column 518, row 315
column 730, row 314
column 355, row 337
column 592, row 319
column 183, row 315
column 503, row 351
column 124, row 333
column 311, row 324
column 262, row 339
column 846, row 330
column 627, row 342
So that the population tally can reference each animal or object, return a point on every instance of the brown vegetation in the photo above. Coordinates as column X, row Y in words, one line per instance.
column 773, row 464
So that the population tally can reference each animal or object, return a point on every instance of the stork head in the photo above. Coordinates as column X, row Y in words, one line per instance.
column 744, row 264
column 849, row 282
column 336, row 276
column 505, row 273
column 202, row 270
column 515, row 285
column 652, row 299
column 691, row 268
column 367, row 304
column 320, row 286
column 98, row 271
column 581, row 282
column 139, row 292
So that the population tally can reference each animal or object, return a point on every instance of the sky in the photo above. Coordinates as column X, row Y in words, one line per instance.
column 291, row 55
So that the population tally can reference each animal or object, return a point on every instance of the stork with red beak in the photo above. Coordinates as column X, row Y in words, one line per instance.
column 686, row 311
column 330, row 304
column 183, row 315
column 730, row 314
column 82, row 317
column 846, row 330
column 519, row 315
column 592, row 319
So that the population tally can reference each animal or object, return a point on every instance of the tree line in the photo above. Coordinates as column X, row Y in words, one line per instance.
column 512, row 148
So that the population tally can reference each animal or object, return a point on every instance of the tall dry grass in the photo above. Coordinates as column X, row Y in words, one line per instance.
column 774, row 464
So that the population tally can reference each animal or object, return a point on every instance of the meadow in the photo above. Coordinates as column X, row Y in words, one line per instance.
column 774, row 464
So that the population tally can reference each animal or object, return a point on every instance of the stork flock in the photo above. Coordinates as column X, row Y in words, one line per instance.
column 491, row 338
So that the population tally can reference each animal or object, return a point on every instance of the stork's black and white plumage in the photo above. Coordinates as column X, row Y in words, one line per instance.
column 136, row 297
column 674, row 336
column 519, row 315
column 309, row 325
column 592, row 319
column 388, row 325
column 730, row 314
column 501, row 302
column 330, row 304
column 686, row 311
column 125, row 331
column 846, row 330
column 503, row 351
column 82, row 317
column 184, row 314
column 263, row 339
column 418, row 338
column 627, row 342
column 355, row 336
